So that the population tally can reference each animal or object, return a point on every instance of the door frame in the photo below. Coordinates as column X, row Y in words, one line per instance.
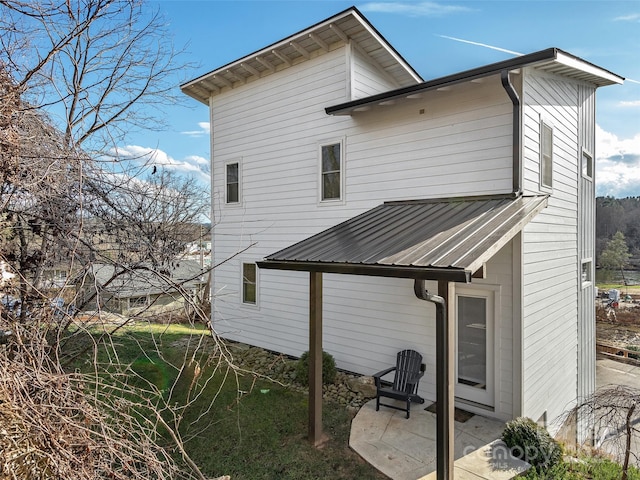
column 487, row 397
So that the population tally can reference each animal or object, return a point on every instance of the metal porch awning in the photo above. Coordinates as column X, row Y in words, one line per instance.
column 444, row 239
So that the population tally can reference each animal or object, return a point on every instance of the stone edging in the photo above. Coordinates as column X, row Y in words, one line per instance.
column 281, row 369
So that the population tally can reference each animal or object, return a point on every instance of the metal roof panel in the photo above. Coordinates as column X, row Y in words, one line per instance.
column 426, row 238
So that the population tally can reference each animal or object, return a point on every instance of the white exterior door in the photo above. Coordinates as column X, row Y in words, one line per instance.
column 474, row 323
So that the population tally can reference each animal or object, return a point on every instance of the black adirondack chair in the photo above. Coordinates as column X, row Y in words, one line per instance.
column 405, row 383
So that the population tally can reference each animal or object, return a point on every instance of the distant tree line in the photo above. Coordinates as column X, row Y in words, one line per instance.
column 618, row 215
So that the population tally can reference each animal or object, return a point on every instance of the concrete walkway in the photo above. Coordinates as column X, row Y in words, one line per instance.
column 614, row 372
column 406, row 449
column 611, row 372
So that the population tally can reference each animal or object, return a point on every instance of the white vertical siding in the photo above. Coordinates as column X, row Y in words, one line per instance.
column 445, row 144
column 272, row 127
column 499, row 272
column 586, row 250
column 366, row 78
column 550, row 252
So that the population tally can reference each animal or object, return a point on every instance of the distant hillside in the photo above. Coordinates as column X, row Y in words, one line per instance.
column 618, row 214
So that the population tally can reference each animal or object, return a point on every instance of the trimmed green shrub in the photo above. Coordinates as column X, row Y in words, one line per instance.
column 634, row 348
column 328, row 369
column 532, row 443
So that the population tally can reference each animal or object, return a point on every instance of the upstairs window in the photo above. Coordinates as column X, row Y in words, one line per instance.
column 546, row 155
column 249, row 283
column 585, row 273
column 587, row 165
column 331, row 172
column 233, row 182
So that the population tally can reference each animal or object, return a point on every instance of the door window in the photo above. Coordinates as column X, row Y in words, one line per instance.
column 474, row 311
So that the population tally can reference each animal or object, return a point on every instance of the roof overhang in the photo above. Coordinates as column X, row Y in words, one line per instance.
column 444, row 239
column 551, row 60
column 342, row 28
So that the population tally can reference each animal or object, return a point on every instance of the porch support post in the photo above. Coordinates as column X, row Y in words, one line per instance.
column 445, row 362
column 316, row 436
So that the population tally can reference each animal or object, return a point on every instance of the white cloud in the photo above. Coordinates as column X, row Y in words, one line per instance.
column 633, row 17
column 419, row 9
column 632, row 103
column 189, row 165
column 204, row 129
column 197, row 160
column 617, row 164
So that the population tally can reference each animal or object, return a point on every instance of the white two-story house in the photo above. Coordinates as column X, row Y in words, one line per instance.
column 331, row 155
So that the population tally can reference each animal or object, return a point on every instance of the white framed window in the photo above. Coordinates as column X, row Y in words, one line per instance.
column 233, row 182
column 137, row 302
column 331, row 171
column 249, row 283
column 476, row 312
column 587, row 164
column 586, row 272
column 546, row 155
column 60, row 275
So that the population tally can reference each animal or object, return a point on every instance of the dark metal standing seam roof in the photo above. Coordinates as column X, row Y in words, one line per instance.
column 426, row 239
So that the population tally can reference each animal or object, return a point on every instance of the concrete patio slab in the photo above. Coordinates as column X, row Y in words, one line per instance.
column 491, row 462
column 405, row 449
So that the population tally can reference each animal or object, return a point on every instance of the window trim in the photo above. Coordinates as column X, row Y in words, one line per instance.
column 544, row 126
column 141, row 301
column 341, row 199
column 255, row 303
column 586, row 153
column 226, row 183
column 493, row 295
column 589, row 280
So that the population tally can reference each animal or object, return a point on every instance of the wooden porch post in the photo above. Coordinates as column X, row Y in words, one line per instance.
column 315, row 358
column 445, row 383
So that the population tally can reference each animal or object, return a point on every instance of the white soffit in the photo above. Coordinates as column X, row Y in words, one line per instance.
column 573, row 67
column 321, row 38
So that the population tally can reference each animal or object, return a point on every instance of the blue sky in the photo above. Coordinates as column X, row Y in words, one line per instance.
column 436, row 38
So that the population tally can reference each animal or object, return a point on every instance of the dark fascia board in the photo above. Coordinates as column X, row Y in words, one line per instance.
column 352, row 9
column 465, row 76
column 419, row 273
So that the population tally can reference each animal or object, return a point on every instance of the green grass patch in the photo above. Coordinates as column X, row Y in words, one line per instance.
column 618, row 286
column 264, row 436
column 230, row 427
column 583, row 469
column 174, row 330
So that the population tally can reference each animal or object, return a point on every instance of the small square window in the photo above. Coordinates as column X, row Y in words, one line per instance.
column 233, row 182
column 546, row 155
column 137, row 302
column 585, row 274
column 587, row 165
column 331, row 167
column 249, row 283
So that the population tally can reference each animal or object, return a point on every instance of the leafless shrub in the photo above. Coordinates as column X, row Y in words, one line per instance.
column 108, row 423
column 98, row 61
column 614, row 414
